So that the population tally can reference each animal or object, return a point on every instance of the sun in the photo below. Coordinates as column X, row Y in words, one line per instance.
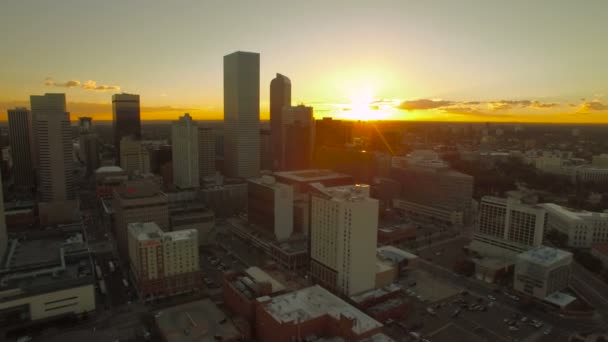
column 363, row 105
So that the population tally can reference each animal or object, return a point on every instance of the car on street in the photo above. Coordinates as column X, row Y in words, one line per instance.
column 490, row 297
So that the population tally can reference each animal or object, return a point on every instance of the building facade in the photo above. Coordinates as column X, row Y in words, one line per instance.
column 185, row 147
column 125, row 119
column 507, row 227
column 138, row 201
column 280, row 97
column 20, row 140
column 298, row 131
column 430, row 189
column 343, row 238
column 242, row 114
column 542, row 271
column 206, row 152
column 134, row 157
column 53, row 144
column 270, row 206
column 583, row 228
column 164, row 263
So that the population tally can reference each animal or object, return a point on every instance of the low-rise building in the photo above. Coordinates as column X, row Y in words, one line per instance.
column 583, row 228
column 382, row 304
column 312, row 311
column 241, row 289
column 46, row 275
column 542, row 271
column 163, row 264
column 404, row 260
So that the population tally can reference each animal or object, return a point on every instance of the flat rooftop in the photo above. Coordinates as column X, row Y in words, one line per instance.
column 313, row 302
column 200, row 321
column 376, row 293
column 346, row 193
column 572, row 214
column 395, row 254
column 544, row 255
column 260, row 276
column 44, row 262
column 312, row 175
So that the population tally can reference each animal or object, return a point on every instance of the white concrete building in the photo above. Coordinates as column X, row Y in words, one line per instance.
column 242, row 114
column 542, row 271
column 343, row 238
column 507, row 227
column 270, row 206
column 163, row 263
column 583, row 228
column 134, row 157
column 185, row 149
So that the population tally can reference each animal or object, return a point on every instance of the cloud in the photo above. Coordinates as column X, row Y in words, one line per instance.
column 591, row 106
column 92, row 85
column 49, row 82
column 537, row 104
column 462, row 110
column 88, row 85
column 422, row 104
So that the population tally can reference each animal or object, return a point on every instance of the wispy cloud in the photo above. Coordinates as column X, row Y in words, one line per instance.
column 592, row 106
column 88, row 85
column 422, row 104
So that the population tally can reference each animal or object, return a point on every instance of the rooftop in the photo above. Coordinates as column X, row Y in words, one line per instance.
column 44, row 262
column 312, row 175
column 109, row 169
column 260, row 276
column 270, row 182
column 395, row 254
column 560, row 299
column 200, row 321
column 312, row 302
column 151, row 231
column 544, row 255
column 570, row 213
column 376, row 293
column 346, row 193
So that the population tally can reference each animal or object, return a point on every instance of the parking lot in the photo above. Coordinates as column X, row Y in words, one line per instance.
column 443, row 312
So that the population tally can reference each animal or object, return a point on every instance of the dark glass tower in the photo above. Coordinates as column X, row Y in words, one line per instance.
column 125, row 119
column 280, row 97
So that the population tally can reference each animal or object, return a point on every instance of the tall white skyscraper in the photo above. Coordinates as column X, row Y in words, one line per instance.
column 343, row 238
column 206, row 147
column 242, row 114
column 185, row 148
column 53, row 144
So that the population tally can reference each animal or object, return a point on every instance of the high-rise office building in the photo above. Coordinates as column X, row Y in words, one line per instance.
column 125, row 119
column 280, row 97
column 298, row 134
column 134, row 158
column 20, row 139
column 88, row 151
column 138, row 201
column 242, row 114
column 206, row 150
column 343, row 238
column 53, row 143
column 185, row 147
column 163, row 263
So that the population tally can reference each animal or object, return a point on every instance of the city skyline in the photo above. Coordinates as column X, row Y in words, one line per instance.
column 407, row 60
